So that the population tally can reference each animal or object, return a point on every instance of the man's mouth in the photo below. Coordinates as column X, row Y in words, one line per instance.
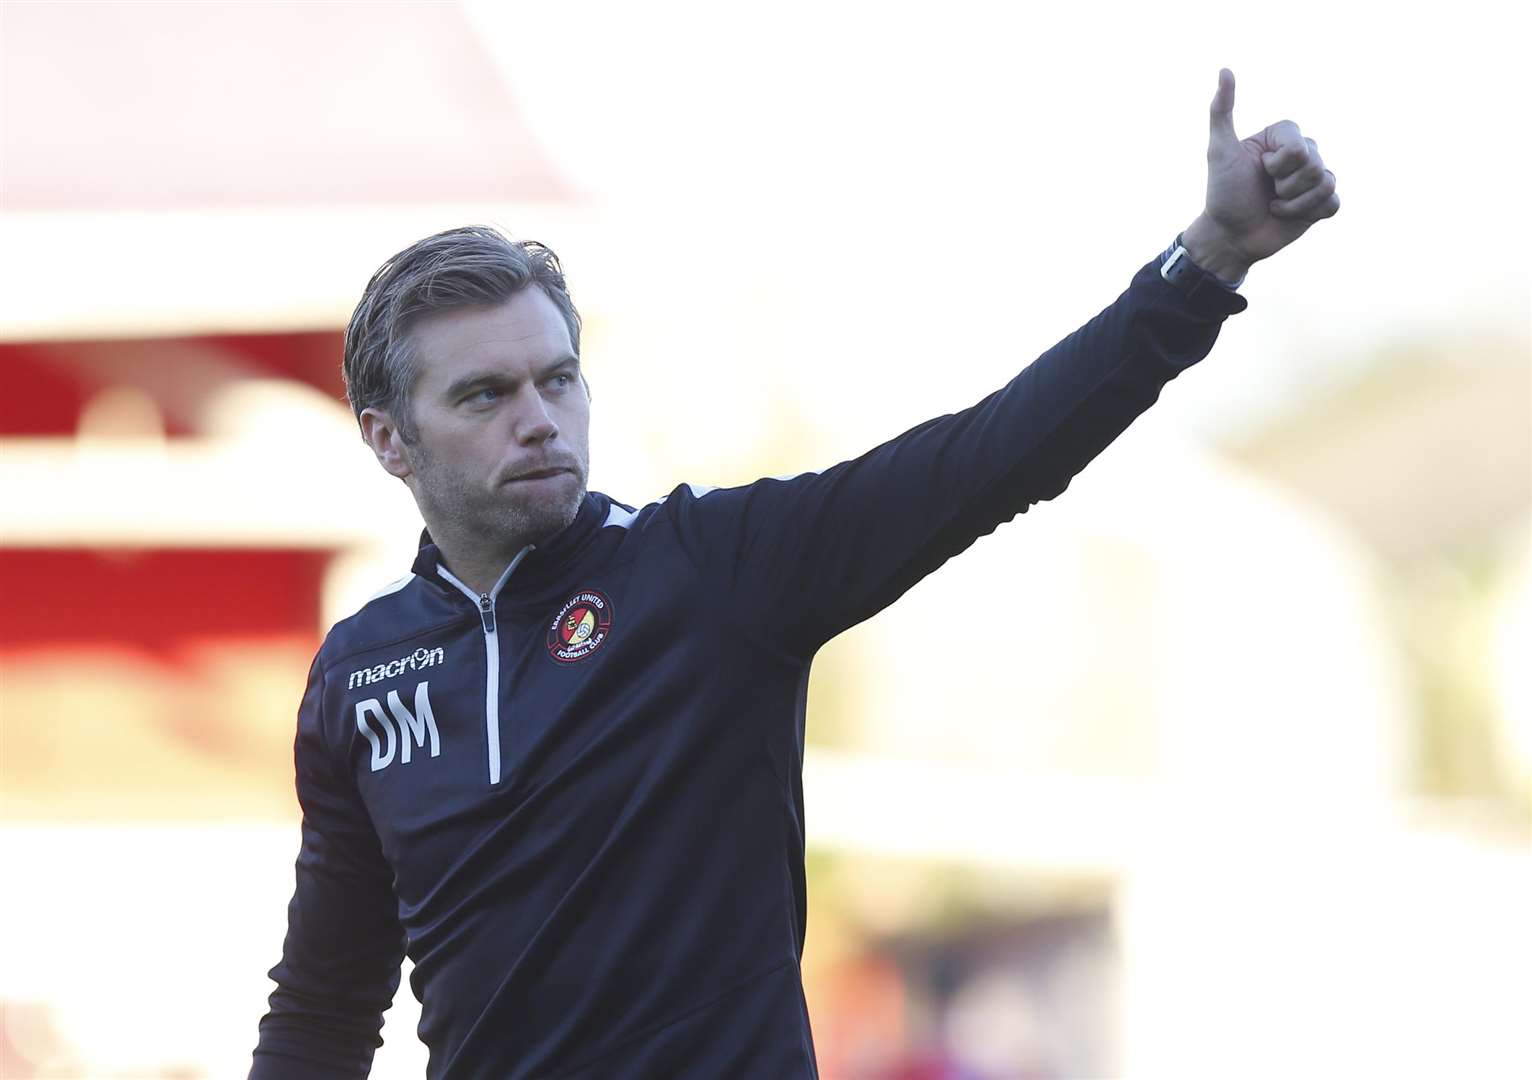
column 537, row 474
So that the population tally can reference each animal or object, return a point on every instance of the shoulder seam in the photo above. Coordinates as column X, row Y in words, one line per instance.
column 391, row 587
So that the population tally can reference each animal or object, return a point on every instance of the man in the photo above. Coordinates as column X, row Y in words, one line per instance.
column 559, row 764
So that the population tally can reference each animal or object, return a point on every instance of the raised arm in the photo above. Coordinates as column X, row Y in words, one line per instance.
column 341, row 958
column 794, row 562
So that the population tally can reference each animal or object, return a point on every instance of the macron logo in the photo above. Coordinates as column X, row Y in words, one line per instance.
column 399, row 730
column 420, row 658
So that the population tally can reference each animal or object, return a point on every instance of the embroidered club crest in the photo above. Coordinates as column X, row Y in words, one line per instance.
column 583, row 624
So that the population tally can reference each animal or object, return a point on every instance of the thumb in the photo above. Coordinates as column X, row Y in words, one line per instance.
column 1221, row 115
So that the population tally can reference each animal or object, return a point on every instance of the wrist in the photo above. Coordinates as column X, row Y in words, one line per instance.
column 1208, row 246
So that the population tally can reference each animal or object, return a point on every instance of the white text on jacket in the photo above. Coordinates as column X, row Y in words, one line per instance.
column 405, row 731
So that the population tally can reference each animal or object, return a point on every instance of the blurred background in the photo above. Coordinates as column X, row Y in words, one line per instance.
column 1240, row 786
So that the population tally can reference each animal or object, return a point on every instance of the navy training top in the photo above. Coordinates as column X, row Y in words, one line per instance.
column 576, row 802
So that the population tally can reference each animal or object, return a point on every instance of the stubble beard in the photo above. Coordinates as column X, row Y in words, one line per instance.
column 452, row 504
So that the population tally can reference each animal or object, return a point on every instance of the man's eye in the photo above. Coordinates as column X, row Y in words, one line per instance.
column 488, row 393
column 563, row 379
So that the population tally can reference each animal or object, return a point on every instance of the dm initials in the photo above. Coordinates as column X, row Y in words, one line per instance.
column 403, row 732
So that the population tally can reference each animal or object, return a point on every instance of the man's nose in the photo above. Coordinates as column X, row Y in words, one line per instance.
column 534, row 424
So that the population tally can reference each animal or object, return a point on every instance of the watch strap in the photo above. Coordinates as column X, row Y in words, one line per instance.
column 1176, row 267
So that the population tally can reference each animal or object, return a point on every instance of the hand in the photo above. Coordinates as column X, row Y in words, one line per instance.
column 1263, row 192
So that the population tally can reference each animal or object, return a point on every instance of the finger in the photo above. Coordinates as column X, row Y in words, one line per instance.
column 1318, row 202
column 1288, row 151
column 1296, row 183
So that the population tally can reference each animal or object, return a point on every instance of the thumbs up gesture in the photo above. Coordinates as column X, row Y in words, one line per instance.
column 1263, row 192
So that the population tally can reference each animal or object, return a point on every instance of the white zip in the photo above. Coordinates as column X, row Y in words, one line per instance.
column 486, row 605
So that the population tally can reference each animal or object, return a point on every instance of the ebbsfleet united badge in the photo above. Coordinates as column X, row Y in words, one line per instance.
column 583, row 623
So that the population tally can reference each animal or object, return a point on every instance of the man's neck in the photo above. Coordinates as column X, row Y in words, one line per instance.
column 473, row 556
column 478, row 561
column 476, row 566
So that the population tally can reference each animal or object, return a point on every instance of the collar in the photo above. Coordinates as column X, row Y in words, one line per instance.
column 541, row 561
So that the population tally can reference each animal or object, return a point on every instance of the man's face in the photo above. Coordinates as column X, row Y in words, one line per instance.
column 502, row 421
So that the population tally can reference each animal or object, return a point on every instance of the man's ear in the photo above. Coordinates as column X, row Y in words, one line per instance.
column 382, row 434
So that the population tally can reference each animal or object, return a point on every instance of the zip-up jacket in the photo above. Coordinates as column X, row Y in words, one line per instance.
column 575, row 801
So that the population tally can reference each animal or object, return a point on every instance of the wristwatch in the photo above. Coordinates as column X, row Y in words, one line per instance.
column 1176, row 267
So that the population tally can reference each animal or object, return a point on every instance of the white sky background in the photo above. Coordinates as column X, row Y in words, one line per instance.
column 968, row 184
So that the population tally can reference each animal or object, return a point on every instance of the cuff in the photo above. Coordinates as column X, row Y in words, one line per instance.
column 1208, row 294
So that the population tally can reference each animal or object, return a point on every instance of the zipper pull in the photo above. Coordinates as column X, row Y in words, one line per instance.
column 487, row 612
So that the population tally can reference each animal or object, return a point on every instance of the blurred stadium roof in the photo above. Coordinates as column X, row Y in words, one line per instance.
column 109, row 106
column 141, row 144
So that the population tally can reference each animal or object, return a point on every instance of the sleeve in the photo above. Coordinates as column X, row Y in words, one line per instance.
column 341, row 958
column 796, row 561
